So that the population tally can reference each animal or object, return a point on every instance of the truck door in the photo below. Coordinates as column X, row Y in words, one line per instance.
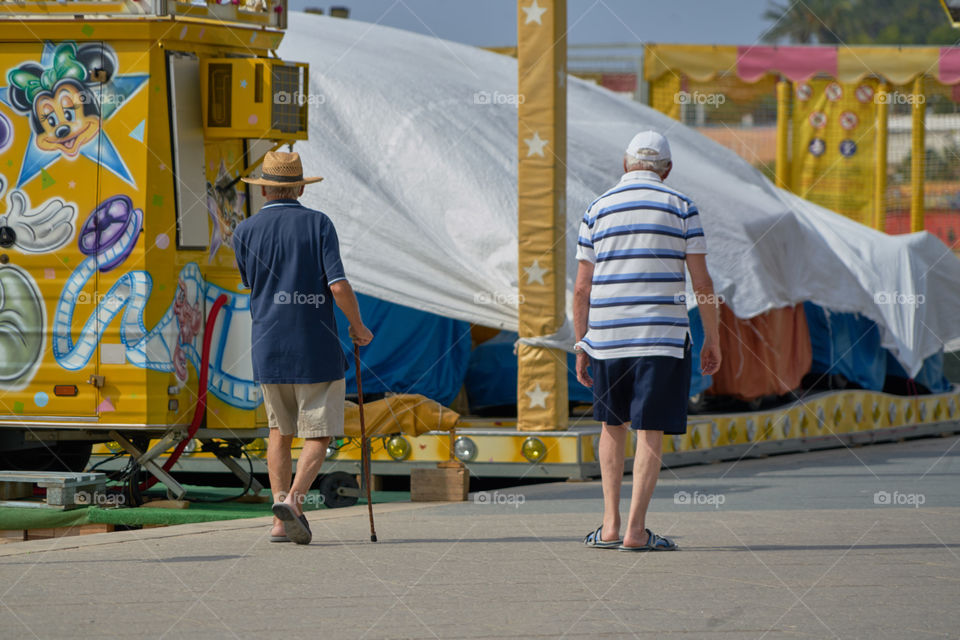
column 50, row 137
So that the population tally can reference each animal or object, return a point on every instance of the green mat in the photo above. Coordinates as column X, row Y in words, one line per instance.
column 41, row 518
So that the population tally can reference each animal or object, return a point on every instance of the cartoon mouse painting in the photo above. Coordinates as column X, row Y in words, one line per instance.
column 60, row 100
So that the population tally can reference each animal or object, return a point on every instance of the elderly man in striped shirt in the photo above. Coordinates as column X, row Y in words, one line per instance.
column 633, row 335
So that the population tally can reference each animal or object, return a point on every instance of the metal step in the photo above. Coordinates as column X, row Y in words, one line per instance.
column 65, row 490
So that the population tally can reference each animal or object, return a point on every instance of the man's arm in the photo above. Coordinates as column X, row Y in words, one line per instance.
column 581, row 298
column 710, row 356
column 344, row 297
column 581, row 316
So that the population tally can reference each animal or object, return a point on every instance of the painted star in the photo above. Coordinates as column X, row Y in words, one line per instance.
column 535, row 273
column 534, row 13
column 535, row 145
column 243, row 83
column 538, row 397
column 72, row 184
column 113, row 96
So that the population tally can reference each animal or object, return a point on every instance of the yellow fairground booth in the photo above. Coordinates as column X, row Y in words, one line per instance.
column 124, row 129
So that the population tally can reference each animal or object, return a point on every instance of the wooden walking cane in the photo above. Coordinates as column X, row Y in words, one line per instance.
column 364, row 450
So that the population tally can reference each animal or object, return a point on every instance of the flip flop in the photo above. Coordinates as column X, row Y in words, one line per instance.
column 593, row 539
column 297, row 527
column 279, row 539
column 654, row 543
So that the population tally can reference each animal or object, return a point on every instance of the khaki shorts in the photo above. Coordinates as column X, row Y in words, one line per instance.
column 306, row 410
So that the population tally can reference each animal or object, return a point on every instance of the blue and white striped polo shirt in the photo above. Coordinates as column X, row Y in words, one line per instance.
column 637, row 235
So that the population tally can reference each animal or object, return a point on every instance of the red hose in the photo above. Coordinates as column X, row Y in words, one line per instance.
column 201, row 408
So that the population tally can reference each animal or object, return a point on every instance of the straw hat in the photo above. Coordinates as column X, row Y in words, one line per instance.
column 281, row 169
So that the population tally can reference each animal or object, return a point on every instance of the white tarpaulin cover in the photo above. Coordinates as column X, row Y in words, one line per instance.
column 417, row 140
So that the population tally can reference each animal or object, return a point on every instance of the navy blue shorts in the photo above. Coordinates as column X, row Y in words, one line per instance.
column 648, row 392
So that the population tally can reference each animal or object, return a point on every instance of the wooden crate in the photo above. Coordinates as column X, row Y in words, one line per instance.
column 20, row 535
column 15, row 490
column 446, row 483
column 59, row 532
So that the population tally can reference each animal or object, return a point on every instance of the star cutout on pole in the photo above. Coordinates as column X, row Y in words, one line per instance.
column 538, row 397
column 535, row 145
column 535, row 273
column 534, row 13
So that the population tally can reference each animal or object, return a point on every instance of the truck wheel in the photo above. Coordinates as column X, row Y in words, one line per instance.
column 330, row 483
column 50, row 456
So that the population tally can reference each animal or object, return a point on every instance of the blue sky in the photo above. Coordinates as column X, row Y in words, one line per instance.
column 493, row 22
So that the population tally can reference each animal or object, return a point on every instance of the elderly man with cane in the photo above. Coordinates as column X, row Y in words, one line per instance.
column 630, row 318
column 289, row 257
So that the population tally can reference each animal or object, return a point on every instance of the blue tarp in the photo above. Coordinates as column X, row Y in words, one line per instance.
column 698, row 381
column 412, row 351
column 492, row 375
column 931, row 374
column 419, row 352
column 849, row 344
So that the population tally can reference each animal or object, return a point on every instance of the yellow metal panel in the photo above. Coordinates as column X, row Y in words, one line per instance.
column 541, row 259
column 880, row 166
column 784, row 95
column 918, row 155
column 679, row 442
column 250, row 99
column 541, row 389
column 185, row 34
column 83, row 150
column 700, row 62
column 700, row 436
column 663, row 95
column 833, row 160
column 897, row 65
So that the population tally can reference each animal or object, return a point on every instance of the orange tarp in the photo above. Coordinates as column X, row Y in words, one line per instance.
column 765, row 355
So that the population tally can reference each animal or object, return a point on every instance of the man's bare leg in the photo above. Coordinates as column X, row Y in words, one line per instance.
column 278, row 466
column 646, row 470
column 612, row 444
column 308, row 466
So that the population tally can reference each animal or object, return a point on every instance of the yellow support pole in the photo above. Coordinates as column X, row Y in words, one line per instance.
column 541, row 214
column 782, row 169
column 917, row 156
column 880, row 170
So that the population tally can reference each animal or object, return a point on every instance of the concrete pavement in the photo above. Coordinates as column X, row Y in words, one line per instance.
column 847, row 543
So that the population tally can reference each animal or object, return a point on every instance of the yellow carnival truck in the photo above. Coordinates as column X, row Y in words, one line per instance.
column 124, row 129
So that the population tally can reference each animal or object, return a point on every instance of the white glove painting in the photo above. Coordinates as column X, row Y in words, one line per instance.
column 42, row 230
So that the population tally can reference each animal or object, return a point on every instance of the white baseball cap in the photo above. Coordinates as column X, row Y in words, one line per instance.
column 649, row 140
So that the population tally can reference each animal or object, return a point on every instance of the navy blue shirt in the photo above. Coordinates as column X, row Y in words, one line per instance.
column 288, row 257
